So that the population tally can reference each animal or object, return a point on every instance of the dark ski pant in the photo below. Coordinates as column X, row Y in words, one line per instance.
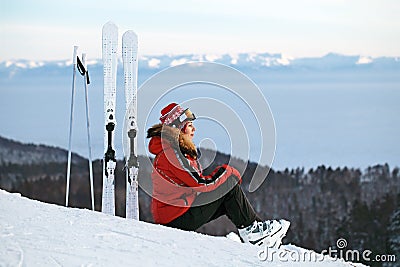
column 234, row 204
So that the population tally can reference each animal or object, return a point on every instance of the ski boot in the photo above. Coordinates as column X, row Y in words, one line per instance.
column 268, row 233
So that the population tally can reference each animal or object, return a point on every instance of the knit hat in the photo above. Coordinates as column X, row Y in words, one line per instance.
column 175, row 115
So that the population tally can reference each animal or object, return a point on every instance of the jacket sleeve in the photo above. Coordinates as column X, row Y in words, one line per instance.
column 182, row 169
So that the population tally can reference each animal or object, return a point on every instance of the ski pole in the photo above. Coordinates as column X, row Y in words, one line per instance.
column 70, row 124
column 87, row 82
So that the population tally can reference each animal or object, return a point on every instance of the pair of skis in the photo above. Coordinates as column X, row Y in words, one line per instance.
column 130, row 66
column 81, row 66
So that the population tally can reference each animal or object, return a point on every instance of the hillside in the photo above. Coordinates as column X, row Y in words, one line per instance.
column 323, row 204
column 38, row 234
column 13, row 152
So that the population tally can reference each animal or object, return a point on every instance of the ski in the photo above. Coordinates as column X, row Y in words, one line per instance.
column 109, row 47
column 130, row 63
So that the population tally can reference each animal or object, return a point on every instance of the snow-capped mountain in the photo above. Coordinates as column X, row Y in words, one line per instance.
column 33, row 233
column 240, row 61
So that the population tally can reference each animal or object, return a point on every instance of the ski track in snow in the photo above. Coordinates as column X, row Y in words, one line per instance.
column 39, row 234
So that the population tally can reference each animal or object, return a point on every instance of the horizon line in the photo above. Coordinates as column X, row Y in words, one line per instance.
column 171, row 54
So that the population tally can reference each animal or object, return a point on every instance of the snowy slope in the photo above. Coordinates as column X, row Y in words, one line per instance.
column 38, row 234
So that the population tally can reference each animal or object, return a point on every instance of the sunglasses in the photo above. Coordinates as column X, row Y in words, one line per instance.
column 187, row 115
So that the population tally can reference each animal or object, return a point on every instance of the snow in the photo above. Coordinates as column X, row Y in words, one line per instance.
column 252, row 59
column 8, row 63
column 24, row 64
column 284, row 61
column 154, row 63
column 234, row 59
column 212, row 58
column 33, row 233
column 93, row 62
column 64, row 63
column 364, row 60
column 177, row 62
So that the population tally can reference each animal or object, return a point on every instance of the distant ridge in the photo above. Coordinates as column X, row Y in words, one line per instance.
column 14, row 152
column 240, row 60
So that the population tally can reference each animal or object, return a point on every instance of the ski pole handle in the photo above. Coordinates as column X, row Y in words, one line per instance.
column 85, row 68
column 75, row 54
column 84, row 60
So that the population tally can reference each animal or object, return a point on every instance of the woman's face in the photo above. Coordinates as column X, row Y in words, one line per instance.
column 190, row 129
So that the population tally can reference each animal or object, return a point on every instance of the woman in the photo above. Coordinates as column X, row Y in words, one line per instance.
column 184, row 198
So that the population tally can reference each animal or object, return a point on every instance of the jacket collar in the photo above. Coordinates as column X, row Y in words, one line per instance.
column 160, row 133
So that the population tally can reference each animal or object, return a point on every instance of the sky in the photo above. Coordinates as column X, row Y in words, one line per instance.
column 48, row 29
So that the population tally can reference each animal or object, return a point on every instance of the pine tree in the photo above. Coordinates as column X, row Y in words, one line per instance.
column 394, row 238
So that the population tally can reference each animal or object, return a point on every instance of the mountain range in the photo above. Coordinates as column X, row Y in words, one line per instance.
column 331, row 61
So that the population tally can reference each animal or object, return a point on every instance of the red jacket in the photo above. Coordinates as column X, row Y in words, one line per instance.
column 177, row 176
